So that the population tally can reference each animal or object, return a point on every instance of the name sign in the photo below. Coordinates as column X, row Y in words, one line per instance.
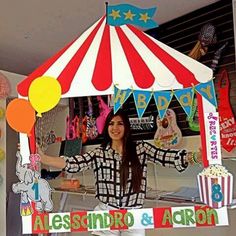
column 150, row 218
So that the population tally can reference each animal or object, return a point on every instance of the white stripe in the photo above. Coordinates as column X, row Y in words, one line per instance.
column 59, row 222
column 99, row 226
column 121, row 73
column 199, row 178
column 220, row 204
column 207, row 108
column 24, row 142
column 81, row 84
column 209, row 187
column 204, row 189
column 201, row 72
column 222, row 216
column 182, row 217
column 230, row 190
column 58, row 66
column 24, row 147
column 143, row 218
column 164, row 77
column 26, row 224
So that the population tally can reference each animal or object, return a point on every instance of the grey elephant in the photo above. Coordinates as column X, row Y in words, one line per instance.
column 32, row 187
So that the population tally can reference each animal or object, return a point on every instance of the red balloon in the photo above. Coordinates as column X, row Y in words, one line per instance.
column 20, row 115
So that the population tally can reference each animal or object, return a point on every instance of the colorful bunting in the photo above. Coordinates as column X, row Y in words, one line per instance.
column 185, row 98
column 162, row 100
column 128, row 14
column 141, row 99
column 207, row 90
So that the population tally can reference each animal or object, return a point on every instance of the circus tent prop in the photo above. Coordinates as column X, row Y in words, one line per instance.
column 104, row 56
column 124, row 56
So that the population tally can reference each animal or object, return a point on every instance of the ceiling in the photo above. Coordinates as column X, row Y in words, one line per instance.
column 31, row 31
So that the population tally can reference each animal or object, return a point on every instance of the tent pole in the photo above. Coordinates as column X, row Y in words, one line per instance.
column 202, row 130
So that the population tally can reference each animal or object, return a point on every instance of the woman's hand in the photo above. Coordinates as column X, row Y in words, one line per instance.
column 194, row 157
column 199, row 156
column 52, row 161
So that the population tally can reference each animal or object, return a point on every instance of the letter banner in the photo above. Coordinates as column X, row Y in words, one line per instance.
column 120, row 96
column 122, row 219
column 185, row 98
column 207, row 90
column 162, row 100
column 141, row 99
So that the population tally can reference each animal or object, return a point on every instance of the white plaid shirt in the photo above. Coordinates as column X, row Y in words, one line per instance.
column 106, row 165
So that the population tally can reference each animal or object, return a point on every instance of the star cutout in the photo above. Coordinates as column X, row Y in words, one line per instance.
column 129, row 15
column 115, row 14
column 144, row 17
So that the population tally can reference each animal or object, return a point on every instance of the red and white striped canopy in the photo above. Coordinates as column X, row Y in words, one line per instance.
column 124, row 56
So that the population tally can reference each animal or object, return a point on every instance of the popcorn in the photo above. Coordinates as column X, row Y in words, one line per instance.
column 215, row 171
column 215, row 186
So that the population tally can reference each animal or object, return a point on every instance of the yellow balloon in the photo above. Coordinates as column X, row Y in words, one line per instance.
column 44, row 94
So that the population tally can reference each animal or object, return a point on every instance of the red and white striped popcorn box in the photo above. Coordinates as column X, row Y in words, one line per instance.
column 217, row 191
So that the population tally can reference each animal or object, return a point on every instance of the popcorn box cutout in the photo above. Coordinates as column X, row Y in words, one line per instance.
column 216, row 191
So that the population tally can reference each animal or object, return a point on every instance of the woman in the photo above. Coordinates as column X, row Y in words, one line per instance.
column 120, row 167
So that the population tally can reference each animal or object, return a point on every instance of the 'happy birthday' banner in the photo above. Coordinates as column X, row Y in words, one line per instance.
column 150, row 218
column 163, row 98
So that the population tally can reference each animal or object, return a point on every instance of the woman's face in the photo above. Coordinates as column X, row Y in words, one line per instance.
column 116, row 128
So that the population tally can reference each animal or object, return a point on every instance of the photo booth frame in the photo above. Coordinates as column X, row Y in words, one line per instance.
column 105, row 56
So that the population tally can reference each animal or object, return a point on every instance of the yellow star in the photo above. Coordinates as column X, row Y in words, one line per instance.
column 129, row 15
column 144, row 17
column 115, row 14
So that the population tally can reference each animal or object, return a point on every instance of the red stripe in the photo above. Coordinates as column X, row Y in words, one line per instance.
column 202, row 130
column 206, row 190
column 23, row 87
column 142, row 75
column 79, row 221
column 32, row 142
column 40, row 221
column 118, row 216
column 102, row 74
column 228, row 190
column 162, row 217
column 202, row 216
column 201, row 187
column 224, row 201
column 182, row 74
column 68, row 73
column 214, row 181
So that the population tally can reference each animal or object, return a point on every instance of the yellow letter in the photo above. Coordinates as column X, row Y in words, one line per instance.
column 182, row 100
column 120, row 96
column 141, row 101
column 207, row 90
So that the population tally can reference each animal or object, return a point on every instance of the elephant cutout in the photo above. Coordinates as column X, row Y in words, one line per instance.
column 32, row 187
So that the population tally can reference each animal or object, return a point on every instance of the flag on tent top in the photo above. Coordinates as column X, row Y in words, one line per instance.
column 128, row 14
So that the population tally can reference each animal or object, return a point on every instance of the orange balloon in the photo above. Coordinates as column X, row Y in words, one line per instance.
column 20, row 115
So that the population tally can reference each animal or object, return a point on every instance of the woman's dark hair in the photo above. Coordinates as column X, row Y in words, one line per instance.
column 130, row 158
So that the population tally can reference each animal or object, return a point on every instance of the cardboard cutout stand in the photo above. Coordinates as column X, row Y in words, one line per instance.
column 106, row 56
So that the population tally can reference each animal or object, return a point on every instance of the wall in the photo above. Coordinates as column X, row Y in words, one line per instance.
column 234, row 13
column 9, row 144
column 3, row 171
